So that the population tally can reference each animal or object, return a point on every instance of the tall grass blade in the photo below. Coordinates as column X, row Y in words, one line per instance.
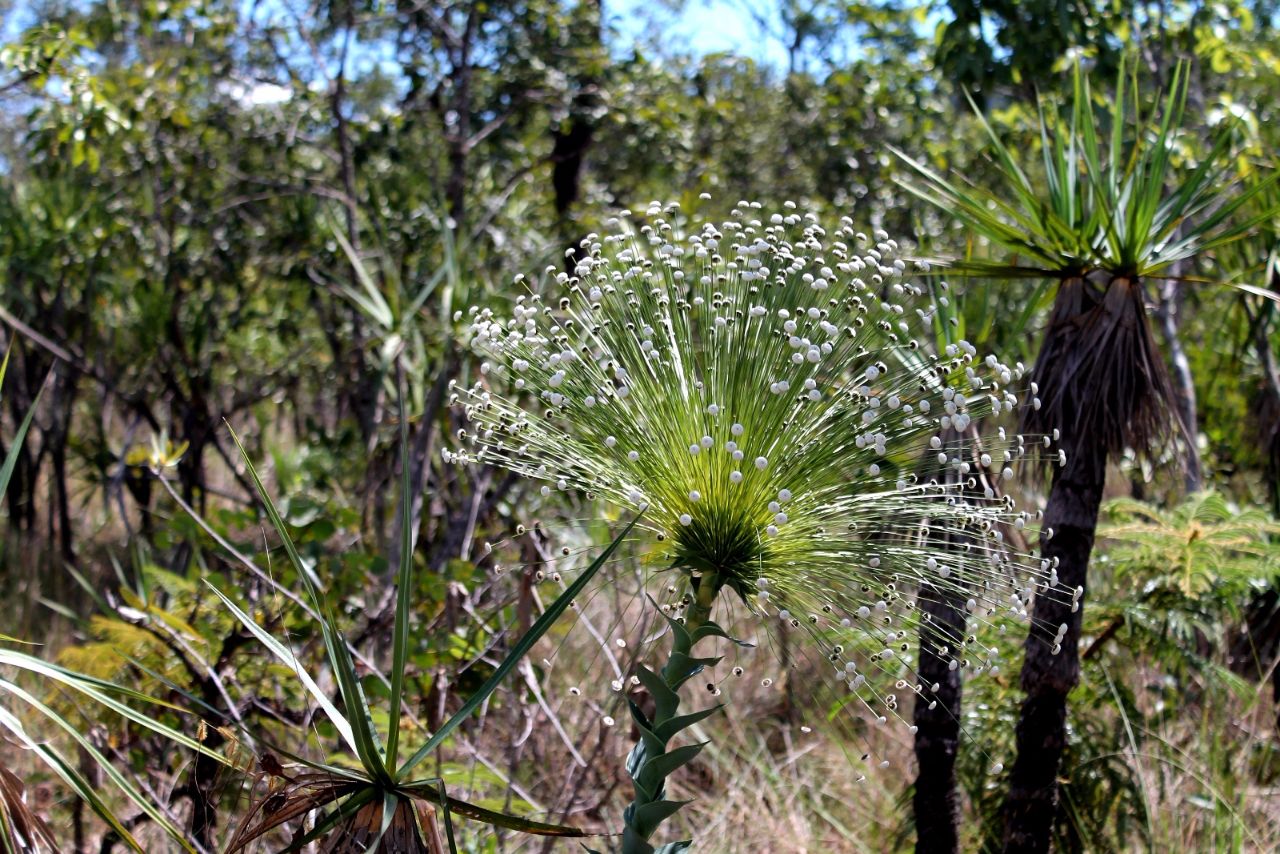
column 286, row 656
column 404, row 589
column 364, row 740
column 11, row 458
column 448, row 819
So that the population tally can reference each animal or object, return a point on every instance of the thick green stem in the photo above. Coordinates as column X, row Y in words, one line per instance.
column 650, row 762
column 696, row 616
column 700, row 610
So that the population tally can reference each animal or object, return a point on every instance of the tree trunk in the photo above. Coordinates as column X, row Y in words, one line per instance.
column 458, row 121
column 938, row 727
column 568, row 152
column 1169, row 312
column 23, row 383
column 573, row 137
column 937, row 712
column 1047, row 678
column 1103, row 380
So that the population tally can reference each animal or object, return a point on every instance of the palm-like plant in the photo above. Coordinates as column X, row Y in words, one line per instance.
column 378, row 805
column 1101, row 222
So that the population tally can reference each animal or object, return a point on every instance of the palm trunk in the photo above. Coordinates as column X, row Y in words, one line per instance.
column 567, row 156
column 1102, row 380
column 1047, row 678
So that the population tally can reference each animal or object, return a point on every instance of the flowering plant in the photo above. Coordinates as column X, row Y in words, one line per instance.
column 768, row 394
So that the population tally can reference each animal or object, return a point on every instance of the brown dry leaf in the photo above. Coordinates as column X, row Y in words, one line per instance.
column 23, row 830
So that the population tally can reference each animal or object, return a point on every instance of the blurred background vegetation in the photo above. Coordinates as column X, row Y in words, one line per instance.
column 267, row 213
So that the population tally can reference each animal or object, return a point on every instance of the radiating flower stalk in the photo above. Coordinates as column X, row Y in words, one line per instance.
column 767, row 392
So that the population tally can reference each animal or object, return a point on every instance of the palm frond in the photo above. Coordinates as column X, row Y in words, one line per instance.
column 1128, row 207
column 1100, row 376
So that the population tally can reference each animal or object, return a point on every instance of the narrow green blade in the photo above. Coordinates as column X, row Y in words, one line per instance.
column 404, row 589
column 286, row 656
column 521, row 648
column 364, row 739
column 11, row 458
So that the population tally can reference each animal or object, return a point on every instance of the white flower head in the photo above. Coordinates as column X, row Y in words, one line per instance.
column 723, row 384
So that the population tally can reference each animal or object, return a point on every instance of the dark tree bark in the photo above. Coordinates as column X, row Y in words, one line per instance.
column 1048, row 677
column 936, row 714
column 567, row 154
column 58, row 438
column 26, row 376
column 938, row 726
column 458, row 119
column 573, row 137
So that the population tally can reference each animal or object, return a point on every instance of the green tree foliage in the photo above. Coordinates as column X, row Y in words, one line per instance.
column 271, row 216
